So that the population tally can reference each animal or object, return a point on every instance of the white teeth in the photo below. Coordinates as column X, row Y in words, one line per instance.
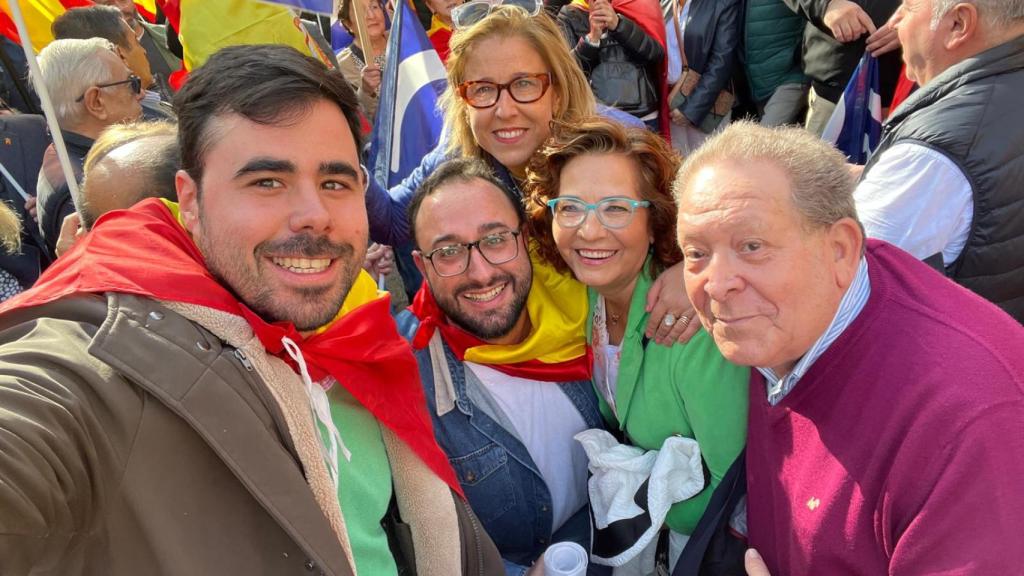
column 596, row 254
column 485, row 296
column 510, row 133
column 303, row 265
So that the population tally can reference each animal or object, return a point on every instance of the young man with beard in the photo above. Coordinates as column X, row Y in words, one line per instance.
column 214, row 386
column 504, row 368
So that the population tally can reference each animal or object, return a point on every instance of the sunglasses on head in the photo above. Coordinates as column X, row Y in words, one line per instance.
column 134, row 81
column 471, row 12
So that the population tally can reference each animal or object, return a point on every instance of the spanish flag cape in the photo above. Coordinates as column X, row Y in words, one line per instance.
column 145, row 251
column 556, row 349
column 647, row 15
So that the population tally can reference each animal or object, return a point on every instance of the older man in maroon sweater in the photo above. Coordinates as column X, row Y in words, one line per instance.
column 886, row 431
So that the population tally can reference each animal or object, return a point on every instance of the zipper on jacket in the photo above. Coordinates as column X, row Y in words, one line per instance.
column 476, row 535
column 245, row 361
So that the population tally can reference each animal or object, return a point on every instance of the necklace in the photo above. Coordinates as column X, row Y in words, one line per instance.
column 613, row 318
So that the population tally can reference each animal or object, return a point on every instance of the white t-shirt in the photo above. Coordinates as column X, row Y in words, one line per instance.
column 918, row 199
column 545, row 421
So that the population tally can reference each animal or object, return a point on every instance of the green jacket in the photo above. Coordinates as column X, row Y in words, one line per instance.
column 772, row 39
column 686, row 389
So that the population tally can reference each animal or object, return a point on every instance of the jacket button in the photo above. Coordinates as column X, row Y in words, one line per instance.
column 471, row 477
column 310, row 565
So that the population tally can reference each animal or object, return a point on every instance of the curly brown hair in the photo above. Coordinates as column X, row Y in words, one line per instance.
column 656, row 164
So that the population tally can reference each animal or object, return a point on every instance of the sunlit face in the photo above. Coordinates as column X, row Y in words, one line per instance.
column 374, row 18
column 920, row 41
column 136, row 59
column 764, row 284
column 607, row 259
column 279, row 214
column 487, row 300
column 509, row 131
column 120, row 104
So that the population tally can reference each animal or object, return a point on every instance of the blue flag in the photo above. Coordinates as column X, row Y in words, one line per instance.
column 408, row 123
column 318, row 6
column 856, row 125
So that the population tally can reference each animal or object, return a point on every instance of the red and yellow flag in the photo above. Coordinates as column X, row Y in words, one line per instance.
column 39, row 15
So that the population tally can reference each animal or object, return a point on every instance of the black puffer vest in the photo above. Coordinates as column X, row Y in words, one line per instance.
column 972, row 114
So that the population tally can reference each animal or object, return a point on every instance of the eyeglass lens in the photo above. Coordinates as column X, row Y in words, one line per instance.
column 495, row 248
column 611, row 212
column 484, row 94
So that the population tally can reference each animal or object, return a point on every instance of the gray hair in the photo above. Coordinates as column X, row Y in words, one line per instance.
column 998, row 13
column 68, row 68
column 822, row 183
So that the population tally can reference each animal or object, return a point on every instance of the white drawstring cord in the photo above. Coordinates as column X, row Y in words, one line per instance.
column 321, row 409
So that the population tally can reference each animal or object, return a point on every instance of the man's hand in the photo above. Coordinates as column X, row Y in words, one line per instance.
column 380, row 260
column 847, row 21
column 30, row 207
column 602, row 17
column 667, row 296
column 884, row 40
column 754, row 564
column 70, row 232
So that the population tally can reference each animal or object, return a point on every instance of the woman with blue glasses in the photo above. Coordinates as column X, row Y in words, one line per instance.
column 601, row 207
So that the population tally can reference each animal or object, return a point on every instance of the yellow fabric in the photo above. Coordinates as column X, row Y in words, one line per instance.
column 557, row 306
column 436, row 25
column 39, row 14
column 208, row 25
column 582, row 4
column 363, row 290
column 147, row 5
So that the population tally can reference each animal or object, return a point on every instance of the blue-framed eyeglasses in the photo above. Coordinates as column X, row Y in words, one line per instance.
column 612, row 212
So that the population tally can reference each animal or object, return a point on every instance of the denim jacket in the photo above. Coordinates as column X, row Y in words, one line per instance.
column 498, row 476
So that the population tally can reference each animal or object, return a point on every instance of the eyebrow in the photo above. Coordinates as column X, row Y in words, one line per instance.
column 288, row 167
column 483, row 228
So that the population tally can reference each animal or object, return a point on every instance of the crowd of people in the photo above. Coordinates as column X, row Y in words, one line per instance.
column 660, row 317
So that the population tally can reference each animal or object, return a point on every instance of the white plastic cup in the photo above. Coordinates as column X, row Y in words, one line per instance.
column 565, row 559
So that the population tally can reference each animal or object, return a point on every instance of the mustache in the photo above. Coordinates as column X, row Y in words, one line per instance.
column 474, row 286
column 308, row 246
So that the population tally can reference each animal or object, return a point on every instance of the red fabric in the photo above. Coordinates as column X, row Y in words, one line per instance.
column 904, row 88
column 149, row 16
column 172, row 10
column 69, row 4
column 145, row 251
column 178, row 78
column 8, row 28
column 439, row 39
column 647, row 15
column 432, row 317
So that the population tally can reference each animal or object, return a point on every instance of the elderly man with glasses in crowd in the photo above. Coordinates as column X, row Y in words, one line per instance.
column 91, row 89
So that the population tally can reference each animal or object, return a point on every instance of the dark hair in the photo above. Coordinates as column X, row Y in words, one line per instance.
column 266, row 84
column 460, row 170
column 656, row 164
column 92, row 22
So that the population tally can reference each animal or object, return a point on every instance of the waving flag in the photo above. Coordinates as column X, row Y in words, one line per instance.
column 39, row 15
column 318, row 6
column 409, row 122
column 856, row 125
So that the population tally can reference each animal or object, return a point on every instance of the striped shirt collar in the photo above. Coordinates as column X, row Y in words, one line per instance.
column 849, row 308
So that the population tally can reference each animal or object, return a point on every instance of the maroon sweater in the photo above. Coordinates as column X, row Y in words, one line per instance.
column 901, row 451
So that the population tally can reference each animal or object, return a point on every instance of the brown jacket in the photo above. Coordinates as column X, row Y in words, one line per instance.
column 139, row 440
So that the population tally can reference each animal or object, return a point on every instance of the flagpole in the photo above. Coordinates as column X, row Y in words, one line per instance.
column 364, row 35
column 44, row 100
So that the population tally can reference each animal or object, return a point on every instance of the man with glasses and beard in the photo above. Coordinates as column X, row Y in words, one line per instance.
column 214, row 386
column 504, row 370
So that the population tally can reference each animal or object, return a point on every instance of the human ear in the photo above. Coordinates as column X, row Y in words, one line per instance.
column 93, row 102
column 846, row 244
column 963, row 26
column 188, row 201
column 417, row 259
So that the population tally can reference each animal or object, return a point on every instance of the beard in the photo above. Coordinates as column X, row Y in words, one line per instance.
column 307, row 308
column 490, row 325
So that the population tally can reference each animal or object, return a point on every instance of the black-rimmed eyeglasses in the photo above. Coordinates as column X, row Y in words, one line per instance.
column 524, row 89
column 134, row 81
column 496, row 248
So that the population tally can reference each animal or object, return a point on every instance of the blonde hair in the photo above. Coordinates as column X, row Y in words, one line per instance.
column 573, row 97
column 10, row 229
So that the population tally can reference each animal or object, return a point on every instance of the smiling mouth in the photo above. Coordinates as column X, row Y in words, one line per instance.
column 303, row 265
column 510, row 133
column 596, row 254
column 485, row 296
